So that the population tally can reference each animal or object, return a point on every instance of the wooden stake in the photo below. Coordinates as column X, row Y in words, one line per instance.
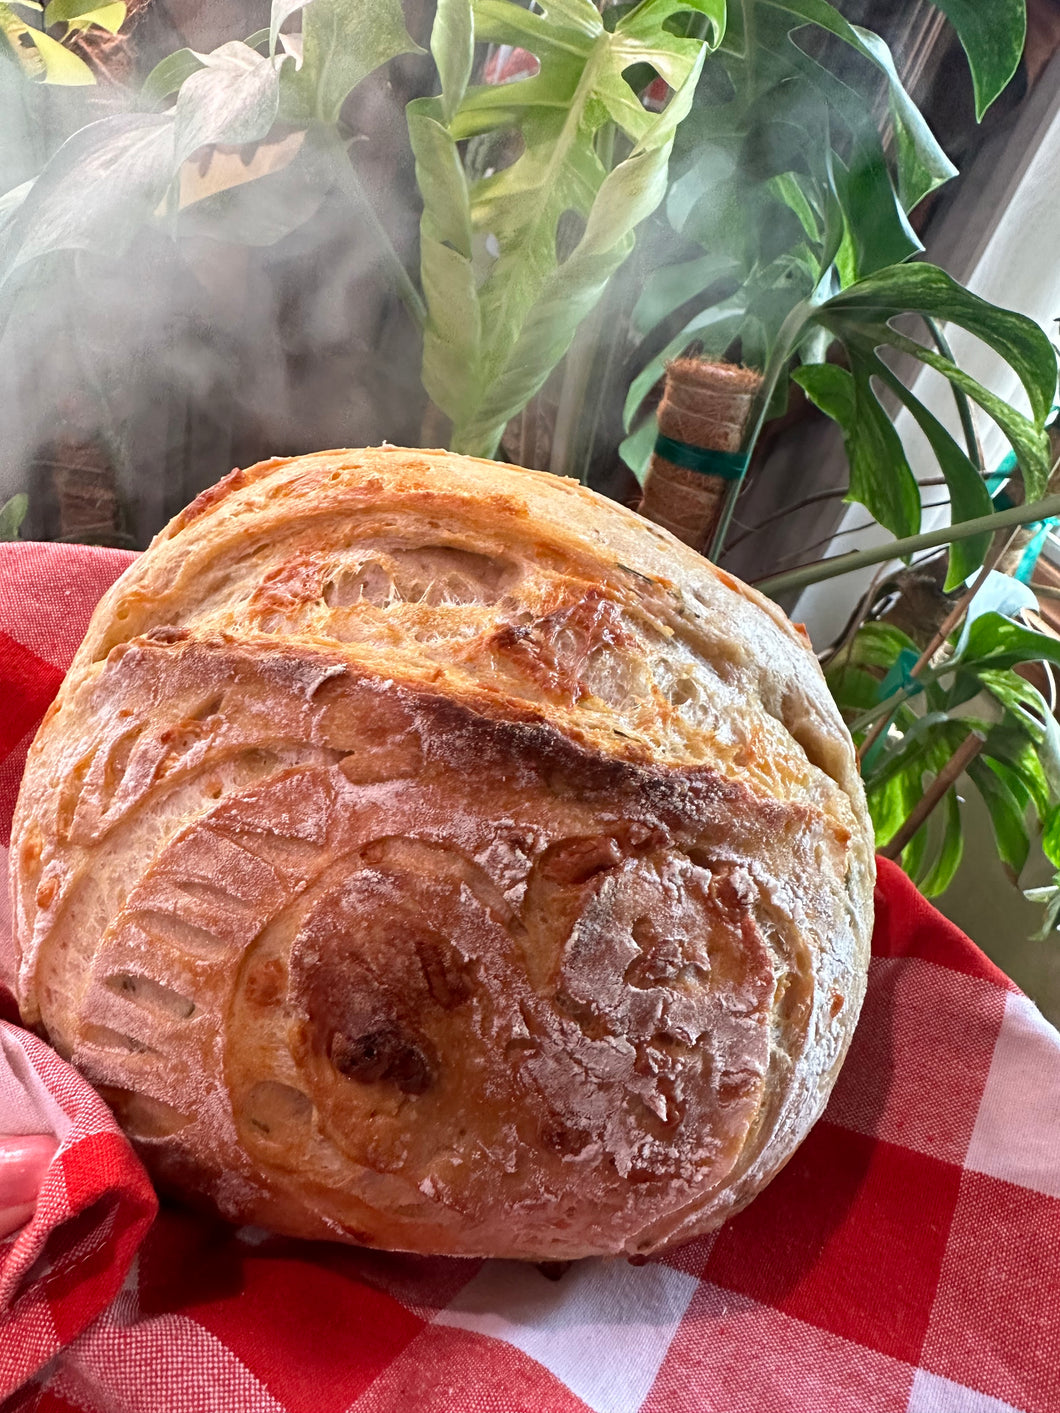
column 966, row 752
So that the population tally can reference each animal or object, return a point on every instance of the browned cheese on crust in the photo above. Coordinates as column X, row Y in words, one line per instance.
column 433, row 855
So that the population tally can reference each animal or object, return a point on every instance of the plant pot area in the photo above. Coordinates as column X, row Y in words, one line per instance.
column 780, row 275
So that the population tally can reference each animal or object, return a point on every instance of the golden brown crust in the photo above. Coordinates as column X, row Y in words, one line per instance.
column 430, row 854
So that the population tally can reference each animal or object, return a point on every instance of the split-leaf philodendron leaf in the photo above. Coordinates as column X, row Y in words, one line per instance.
column 503, row 303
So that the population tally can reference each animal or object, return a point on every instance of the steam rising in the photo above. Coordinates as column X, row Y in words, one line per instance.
column 156, row 372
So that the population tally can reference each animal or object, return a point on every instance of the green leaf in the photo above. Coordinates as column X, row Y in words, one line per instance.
column 1030, row 710
column 969, row 496
column 667, row 288
column 1050, row 898
column 453, row 335
column 232, row 100
column 880, row 477
column 940, row 875
column 83, row 14
column 528, row 301
column 40, row 56
column 1029, row 441
column 1012, row 691
column 854, row 689
column 879, row 232
column 453, row 51
column 894, row 788
column 12, row 514
column 995, row 642
column 103, row 182
column 61, row 65
column 922, row 164
column 13, row 199
column 343, row 41
column 1051, row 837
column 878, row 645
column 1013, row 780
column 108, row 178
column 926, row 289
column 1009, row 748
column 267, row 209
column 1050, row 919
column 282, row 10
column 992, row 37
column 1006, row 817
column 168, row 75
column 912, row 856
column 788, row 187
column 637, row 448
column 892, row 801
column 829, row 388
column 19, row 37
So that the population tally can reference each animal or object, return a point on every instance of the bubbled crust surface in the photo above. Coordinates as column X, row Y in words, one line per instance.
column 432, row 854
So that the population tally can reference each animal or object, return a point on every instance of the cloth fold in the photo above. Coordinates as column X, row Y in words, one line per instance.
column 903, row 1261
column 63, row 1268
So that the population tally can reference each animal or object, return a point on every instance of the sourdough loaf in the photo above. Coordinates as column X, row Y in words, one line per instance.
column 434, row 855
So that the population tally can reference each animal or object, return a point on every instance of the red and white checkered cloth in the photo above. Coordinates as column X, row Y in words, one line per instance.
column 907, row 1258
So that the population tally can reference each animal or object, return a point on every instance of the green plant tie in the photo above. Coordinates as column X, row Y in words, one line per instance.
column 899, row 678
column 729, row 465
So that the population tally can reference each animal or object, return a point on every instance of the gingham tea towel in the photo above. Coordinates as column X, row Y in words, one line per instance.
column 907, row 1259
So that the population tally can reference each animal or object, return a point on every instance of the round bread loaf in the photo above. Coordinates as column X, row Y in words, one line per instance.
column 434, row 855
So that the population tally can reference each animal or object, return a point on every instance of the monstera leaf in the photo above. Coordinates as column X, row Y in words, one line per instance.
column 860, row 318
column 503, row 301
column 784, row 197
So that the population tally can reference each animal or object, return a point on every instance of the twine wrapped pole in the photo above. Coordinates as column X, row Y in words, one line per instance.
column 698, row 454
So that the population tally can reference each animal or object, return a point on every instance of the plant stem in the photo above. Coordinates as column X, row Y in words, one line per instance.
column 781, row 351
column 965, row 753
column 836, row 493
column 886, row 709
column 836, row 565
column 350, row 183
column 944, row 630
column 960, row 397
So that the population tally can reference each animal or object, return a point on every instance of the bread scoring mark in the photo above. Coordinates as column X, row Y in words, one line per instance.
column 370, row 975
column 554, row 651
column 289, row 585
column 105, row 1037
column 663, row 961
column 438, row 863
column 276, row 1111
column 166, row 634
column 266, row 983
column 561, row 1137
column 435, row 575
column 145, row 991
column 141, row 1116
column 176, row 932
